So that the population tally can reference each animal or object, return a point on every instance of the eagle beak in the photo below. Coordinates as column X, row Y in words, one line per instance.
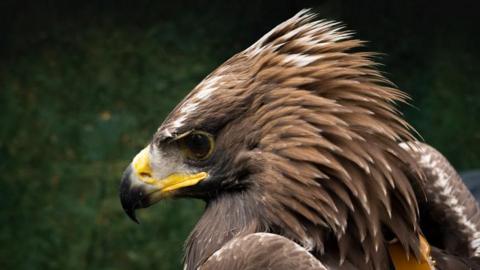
column 140, row 189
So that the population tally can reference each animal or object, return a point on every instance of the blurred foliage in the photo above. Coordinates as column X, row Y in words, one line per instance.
column 83, row 86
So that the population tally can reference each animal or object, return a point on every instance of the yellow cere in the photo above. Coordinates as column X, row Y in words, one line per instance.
column 141, row 163
column 141, row 166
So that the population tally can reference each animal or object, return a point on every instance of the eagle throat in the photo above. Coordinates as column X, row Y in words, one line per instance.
column 225, row 217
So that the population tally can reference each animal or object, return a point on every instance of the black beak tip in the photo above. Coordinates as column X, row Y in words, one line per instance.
column 130, row 198
column 131, row 214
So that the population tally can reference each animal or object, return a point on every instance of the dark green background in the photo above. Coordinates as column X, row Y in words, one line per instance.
column 83, row 86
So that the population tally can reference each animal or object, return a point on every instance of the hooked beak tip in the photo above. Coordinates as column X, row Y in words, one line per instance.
column 130, row 197
column 131, row 214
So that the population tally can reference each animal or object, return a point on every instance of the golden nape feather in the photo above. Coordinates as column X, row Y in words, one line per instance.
column 304, row 162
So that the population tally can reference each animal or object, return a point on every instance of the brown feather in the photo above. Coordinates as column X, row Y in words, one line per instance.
column 319, row 125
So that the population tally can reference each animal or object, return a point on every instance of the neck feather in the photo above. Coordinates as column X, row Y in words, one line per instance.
column 225, row 217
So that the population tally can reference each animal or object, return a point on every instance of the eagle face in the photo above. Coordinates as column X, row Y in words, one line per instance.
column 177, row 166
column 207, row 146
column 199, row 159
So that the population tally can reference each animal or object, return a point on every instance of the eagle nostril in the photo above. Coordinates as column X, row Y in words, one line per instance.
column 144, row 174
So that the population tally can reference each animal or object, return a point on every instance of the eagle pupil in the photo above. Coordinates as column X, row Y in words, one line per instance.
column 199, row 145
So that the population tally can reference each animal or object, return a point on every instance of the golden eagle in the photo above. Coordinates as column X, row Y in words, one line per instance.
column 304, row 162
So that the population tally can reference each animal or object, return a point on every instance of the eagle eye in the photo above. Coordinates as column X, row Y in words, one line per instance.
column 196, row 145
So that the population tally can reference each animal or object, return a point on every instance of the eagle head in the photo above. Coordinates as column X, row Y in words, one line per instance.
column 297, row 135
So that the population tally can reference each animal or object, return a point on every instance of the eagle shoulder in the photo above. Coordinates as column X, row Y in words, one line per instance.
column 262, row 251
